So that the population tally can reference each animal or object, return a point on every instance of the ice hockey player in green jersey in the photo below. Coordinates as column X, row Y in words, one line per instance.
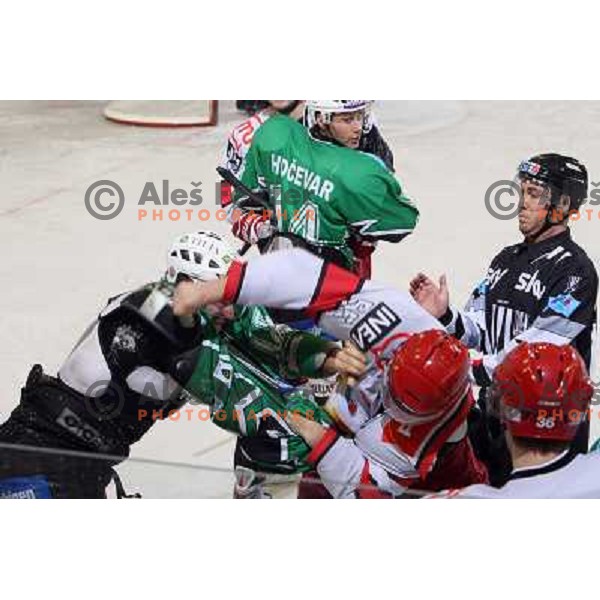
column 137, row 364
column 322, row 194
column 248, row 369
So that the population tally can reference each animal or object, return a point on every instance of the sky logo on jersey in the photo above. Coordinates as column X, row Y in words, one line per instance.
column 564, row 304
column 530, row 284
column 494, row 276
column 374, row 326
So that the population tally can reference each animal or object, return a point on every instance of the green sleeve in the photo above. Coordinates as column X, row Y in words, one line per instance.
column 288, row 352
column 377, row 206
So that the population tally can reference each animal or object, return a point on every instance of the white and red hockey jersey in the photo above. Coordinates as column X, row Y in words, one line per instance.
column 240, row 139
column 377, row 318
column 238, row 144
column 382, row 459
column 386, row 459
column 563, row 477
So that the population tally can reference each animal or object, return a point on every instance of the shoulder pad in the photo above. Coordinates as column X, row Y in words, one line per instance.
column 153, row 306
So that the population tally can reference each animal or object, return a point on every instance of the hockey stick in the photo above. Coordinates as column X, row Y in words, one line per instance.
column 230, row 178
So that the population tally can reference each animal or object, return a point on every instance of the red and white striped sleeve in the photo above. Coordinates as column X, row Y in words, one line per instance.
column 291, row 279
column 346, row 306
column 347, row 472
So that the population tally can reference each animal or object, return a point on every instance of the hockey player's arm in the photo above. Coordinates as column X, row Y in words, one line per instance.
column 380, row 210
column 290, row 352
column 249, row 212
column 142, row 339
column 343, row 468
column 468, row 325
column 293, row 279
column 232, row 160
column 236, row 149
column 347, row 307
column 299, row 354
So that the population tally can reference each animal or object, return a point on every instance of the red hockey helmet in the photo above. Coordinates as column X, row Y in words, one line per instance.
column 544, row 391
column 428, row 375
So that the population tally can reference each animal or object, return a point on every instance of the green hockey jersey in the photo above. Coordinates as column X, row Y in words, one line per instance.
column 325, row 193
column 245, row 373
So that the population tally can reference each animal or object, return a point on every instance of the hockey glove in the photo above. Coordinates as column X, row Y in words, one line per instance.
column 252, row 227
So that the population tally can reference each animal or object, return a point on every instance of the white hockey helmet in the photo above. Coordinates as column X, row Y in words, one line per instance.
column 328, row 108
column 203, row 255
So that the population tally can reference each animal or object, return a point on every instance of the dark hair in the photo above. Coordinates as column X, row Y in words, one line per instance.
column 319, row 134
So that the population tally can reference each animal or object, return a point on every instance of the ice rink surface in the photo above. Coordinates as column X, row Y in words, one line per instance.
column 59, row 264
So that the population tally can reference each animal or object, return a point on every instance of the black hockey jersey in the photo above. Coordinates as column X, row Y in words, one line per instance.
column 543, row 292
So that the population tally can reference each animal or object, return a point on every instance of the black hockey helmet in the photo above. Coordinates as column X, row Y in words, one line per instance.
column 562, row 175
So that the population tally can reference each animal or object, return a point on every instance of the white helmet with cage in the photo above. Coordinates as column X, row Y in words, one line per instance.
column 203, row 255
column 328, row 108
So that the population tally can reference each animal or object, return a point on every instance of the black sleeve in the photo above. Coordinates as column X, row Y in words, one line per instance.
column 372, row 142
column 142, row 332
column 568, row 313
column 129, row 342
column 152, row 306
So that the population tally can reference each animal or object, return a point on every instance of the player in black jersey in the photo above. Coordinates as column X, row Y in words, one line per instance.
column 129, row 369
column 123, row 363
column 542, row 289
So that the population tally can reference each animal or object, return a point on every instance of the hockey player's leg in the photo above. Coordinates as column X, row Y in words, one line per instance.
column 35, row 487
column 39, row 457
column 26, row 468
column 268, row 466
column 269, row 462
column 254, row 485
column 34, row 468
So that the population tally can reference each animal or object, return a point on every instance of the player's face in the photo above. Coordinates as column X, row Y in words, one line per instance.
column 534, row 207
column 347, row 128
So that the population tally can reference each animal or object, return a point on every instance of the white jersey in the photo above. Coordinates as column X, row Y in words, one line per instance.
column 563, row 477
column 383, row 458
column 240, row 140
column 376, row 317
